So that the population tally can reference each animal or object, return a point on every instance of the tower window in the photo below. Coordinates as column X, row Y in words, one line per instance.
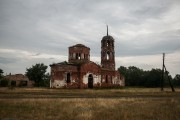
column 108, row 43
column 82, row 56
column 78, row 56
column 74, row 55
column 108, row 55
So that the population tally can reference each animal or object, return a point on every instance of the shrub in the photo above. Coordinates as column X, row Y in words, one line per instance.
column 4, row 82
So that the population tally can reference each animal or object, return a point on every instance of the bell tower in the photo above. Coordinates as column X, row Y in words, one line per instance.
column 107, row 52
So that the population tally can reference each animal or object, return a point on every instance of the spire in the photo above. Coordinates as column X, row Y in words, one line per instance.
column 107, row 30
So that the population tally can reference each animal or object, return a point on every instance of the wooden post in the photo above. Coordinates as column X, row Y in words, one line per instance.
column 162, row 79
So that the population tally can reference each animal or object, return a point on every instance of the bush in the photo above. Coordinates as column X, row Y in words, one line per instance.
column 4, row 82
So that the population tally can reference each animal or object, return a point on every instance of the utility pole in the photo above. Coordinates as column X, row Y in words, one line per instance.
column 162, row 80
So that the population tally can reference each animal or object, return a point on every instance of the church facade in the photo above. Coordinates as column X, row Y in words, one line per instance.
column 81, row 72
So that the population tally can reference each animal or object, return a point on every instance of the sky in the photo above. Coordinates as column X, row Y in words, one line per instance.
column 40, row 31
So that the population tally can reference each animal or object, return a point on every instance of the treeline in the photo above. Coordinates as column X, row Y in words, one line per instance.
column 135, row 76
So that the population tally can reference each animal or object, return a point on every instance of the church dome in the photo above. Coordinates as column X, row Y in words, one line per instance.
column 108, row 38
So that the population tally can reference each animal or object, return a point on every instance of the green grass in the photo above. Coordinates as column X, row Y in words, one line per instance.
column 75, row 104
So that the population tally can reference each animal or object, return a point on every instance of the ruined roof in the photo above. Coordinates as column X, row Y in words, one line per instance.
column 64, row 63
column 61, row 63
column 17, row 77
column 79, row 45
column 73, row 64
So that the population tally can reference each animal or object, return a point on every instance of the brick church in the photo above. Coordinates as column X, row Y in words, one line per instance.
column 81, row 72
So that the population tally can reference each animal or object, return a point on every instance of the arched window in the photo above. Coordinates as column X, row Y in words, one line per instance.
column 74, row 55
column 108, row 55
column 106, row 78
column 79, row 56
column 68, row 78
column 108, row 43
column 82, row 55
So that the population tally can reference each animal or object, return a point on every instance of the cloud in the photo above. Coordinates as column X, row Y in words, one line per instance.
column 4, row 60
column 41, row 31
column 27, row 55
column 147, row 62
column 16, row 61
column 149, row 44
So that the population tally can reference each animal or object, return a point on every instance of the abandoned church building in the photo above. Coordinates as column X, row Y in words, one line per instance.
column 81, row 72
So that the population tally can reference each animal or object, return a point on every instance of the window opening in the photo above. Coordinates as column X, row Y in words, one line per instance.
column 108, row 55
column 106, row 78
column 68, row 77
column 108, row 43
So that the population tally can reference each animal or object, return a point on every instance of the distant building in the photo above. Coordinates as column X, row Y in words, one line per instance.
column 19, row 80
column 80, row 72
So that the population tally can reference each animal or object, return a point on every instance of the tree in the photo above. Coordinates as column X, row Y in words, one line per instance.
column 37, row 73
column 135, row 76
column 47, row 80
column 176, row 80
column 1, row 73
column 123, row 71
column 153, row 78
column 4, row 82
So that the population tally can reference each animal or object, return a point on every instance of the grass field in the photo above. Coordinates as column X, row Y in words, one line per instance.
column 86, row 104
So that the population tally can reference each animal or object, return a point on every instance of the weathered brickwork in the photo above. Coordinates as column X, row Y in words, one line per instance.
column 80, row 72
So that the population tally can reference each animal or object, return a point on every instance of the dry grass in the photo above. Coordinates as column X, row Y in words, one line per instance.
column 152, row 104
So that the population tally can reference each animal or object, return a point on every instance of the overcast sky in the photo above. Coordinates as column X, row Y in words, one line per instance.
column 40, row 31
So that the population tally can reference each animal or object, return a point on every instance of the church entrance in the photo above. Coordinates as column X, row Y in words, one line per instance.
column 90, row 81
